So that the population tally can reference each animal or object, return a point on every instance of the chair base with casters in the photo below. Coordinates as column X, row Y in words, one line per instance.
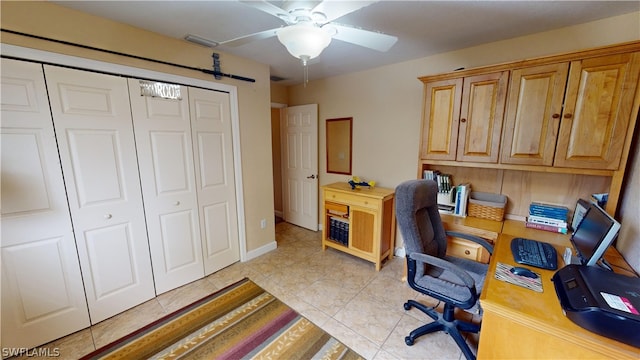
column 442, row 322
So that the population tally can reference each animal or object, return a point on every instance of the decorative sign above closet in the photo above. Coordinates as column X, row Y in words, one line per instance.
column 159, row 89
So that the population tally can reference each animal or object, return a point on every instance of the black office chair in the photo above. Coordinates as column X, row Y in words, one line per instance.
column 455, row 281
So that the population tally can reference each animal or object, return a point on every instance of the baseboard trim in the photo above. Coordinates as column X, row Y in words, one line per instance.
column 261, row 251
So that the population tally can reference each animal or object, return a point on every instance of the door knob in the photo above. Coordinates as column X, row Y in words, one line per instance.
column 311, row 177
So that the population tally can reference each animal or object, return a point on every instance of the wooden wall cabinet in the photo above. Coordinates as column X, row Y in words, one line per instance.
column 533, row 114
column 571, row 115
column 568, row 118
column 363, row 221
column 463, row 117
column 597, row 107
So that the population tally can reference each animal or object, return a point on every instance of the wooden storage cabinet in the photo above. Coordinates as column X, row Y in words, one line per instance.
column 570, row 114
column 533, row 114
column 463, row 117
column 363, row 220
column 597, row 107
column 568, row 118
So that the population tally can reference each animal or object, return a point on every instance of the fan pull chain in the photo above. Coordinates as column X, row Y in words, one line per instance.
column 305, row 69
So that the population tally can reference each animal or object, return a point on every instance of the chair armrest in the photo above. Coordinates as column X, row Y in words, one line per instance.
column 475, row 239
column 444, row 264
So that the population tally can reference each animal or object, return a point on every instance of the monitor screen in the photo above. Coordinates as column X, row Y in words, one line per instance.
column 594, row 235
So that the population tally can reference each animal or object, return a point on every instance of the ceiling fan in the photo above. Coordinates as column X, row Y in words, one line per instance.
column 310, row 28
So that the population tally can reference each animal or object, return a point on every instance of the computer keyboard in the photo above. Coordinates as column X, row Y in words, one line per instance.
column 534, row 253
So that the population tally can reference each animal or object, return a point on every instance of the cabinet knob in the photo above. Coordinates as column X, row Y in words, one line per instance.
column 568, row 116
column 467, row 252
column 108, row 216
column 463, row 120
column 176, row 203
column 555, row 116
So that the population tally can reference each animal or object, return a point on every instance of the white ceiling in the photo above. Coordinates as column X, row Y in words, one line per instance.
column 423, row 27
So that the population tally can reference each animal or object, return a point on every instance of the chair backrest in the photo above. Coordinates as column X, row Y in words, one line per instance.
column 418, row 218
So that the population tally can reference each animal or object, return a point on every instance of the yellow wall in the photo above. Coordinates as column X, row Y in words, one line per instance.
column 53, row 21
column 386, row 102
column 279, row 94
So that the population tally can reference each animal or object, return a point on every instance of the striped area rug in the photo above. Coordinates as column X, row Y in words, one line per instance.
column 241, row 321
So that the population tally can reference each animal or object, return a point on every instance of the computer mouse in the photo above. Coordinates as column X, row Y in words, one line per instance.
column 524, row 272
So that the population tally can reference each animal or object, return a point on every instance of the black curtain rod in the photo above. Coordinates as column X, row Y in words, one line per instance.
column 215, row 73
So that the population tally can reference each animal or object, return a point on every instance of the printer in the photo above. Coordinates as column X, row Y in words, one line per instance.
column 600, row 301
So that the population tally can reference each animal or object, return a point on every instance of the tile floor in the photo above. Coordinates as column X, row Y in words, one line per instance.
column 342, row 294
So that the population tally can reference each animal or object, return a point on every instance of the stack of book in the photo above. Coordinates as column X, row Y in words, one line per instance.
column 445, row 184
column 339, row 230
column 548, row 217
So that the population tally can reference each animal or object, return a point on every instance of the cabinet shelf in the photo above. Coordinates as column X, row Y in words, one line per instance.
column 532, row 168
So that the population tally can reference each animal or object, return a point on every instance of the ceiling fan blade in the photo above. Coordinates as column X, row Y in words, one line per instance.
column 336, row 9
column 249, row 38
column 369, row 39
column 269, row 8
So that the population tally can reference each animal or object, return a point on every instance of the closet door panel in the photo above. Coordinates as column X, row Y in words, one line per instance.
column 92, row 118
column 163, row 138
column 42, row 293
column 213, row 152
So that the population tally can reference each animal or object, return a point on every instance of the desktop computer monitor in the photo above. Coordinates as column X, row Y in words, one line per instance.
column 594, row 235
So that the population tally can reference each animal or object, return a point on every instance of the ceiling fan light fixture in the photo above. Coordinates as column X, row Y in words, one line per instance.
column 304, row 41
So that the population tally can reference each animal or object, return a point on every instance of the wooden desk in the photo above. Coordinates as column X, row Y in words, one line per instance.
column 520, row 323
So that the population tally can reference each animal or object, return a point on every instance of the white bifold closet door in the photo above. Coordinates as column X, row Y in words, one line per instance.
column 163, row 138
column 213, row 153
column 92, row 119
column 42, row 293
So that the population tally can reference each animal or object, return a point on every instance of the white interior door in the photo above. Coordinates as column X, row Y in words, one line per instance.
column 92, row 118
column 42, row 292
column 213, row 154
column 300, row 165
column 163, row 138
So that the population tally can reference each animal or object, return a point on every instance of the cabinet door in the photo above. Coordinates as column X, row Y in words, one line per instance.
column 441, row 117
column 533, row 114
column 42, row 293
column 215, row 179
column 163, row 140
column 92, row 119
column 363, row 231
column 599, row 99
column 481, row 115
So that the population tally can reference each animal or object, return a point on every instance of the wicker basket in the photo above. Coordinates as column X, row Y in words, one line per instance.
column 486, row 205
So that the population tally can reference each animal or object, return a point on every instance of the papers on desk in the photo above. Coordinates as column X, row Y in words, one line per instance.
column 503, row 273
